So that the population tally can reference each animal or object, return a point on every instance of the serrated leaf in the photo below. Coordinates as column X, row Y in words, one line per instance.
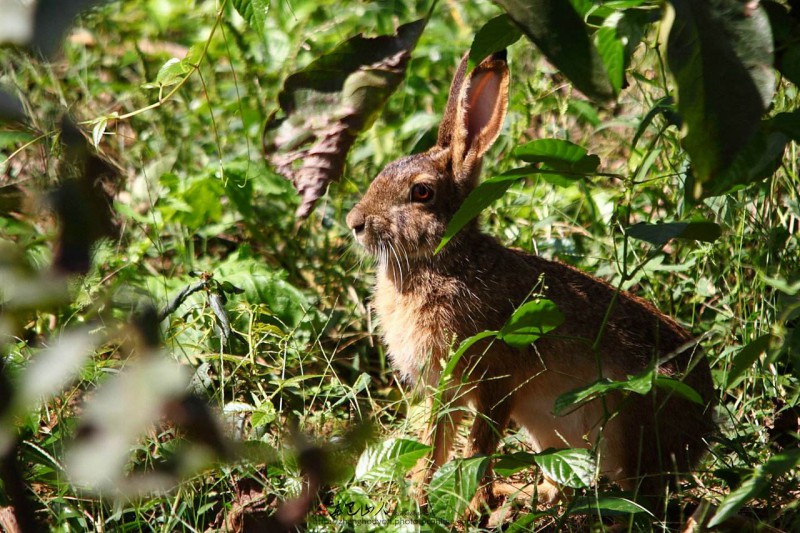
column 389, row 459
column 254, row 12
column 660, row 234
column 573, row 467
column 497, row 34
column 263, row 415
column 453, row 486
column 530, row 321
column 641, row 384
column 746, row 357
column 721, row 55
column 325, row 106
column 560, row 33
column 558, row 154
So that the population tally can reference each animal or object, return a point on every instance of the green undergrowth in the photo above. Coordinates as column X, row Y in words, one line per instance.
column 277, row 342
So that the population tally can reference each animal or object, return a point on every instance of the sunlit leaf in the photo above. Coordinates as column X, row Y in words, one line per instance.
column 453, row 486
column 254, row 12
column 641, row 384
column 573, row 467
column 389, row 459
column 605, row 506
column 530, row 321
column 497, row 34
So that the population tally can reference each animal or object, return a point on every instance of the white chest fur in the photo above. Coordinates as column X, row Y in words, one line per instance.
column 412, row 332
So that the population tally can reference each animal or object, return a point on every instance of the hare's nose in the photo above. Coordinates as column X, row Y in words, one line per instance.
column 356, row 221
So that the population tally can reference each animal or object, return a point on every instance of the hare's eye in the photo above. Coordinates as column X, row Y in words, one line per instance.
column 421, row 193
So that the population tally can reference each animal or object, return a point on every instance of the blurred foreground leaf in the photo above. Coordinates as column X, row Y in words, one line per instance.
column 559, row 32
column 326, row 105
column 721, row 55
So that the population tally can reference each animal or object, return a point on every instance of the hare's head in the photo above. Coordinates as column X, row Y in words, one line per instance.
column 408, row 205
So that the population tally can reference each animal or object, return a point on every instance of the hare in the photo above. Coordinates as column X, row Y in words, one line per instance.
column 427, row 303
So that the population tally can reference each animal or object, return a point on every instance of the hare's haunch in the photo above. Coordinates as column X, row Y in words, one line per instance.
column 426, row 303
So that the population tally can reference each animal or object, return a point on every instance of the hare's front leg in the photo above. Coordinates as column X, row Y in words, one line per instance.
column 491, row 420
column 439, row 434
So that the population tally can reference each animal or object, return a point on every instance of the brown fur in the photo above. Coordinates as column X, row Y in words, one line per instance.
column 426, row 303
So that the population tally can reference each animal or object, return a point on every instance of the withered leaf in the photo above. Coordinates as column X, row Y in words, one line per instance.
column 326, row 105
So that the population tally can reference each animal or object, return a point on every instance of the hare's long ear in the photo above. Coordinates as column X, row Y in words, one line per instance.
column 474, row 114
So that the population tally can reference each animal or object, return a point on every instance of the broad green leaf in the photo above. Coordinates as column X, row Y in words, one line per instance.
column 507, row 465
column 641, row 384
column 389, row 459
column 453, row 486
column 746, row 357
column 612, row 52
column 559, row 155
column 530, row 321
column 559, row 32
column 573, row 467
column 758, row 160
column 261, row 284
column 680, row 388
column 325, row 106
column 605, row 506
column 264, row 414
column 660, row 234
column 254, row 12
column 721, row 54
column 497, row 34
column 755, row 485
column 479, row 199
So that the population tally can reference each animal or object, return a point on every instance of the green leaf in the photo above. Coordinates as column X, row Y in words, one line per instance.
column 612, row 52
column 664, row 106
column 605, row 506
column 530, row 321
column 479, row 199
column 453, row 486
column 641, row 384
column 721, row 55
column 559, row 155
column 574, row 467
column 660, row 234
column 497, row 34
column 510, row 464
column 755, row 485
column 680, row 388
column 254, row 12
column 465, row 345
column 389, row 459
column 325, row 106
column 560, row 33
column 746, row 357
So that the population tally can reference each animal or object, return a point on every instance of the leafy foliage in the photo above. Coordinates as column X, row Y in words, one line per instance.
column 169, row 335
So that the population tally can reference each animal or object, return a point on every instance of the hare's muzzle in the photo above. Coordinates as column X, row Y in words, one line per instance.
column 356, row 222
